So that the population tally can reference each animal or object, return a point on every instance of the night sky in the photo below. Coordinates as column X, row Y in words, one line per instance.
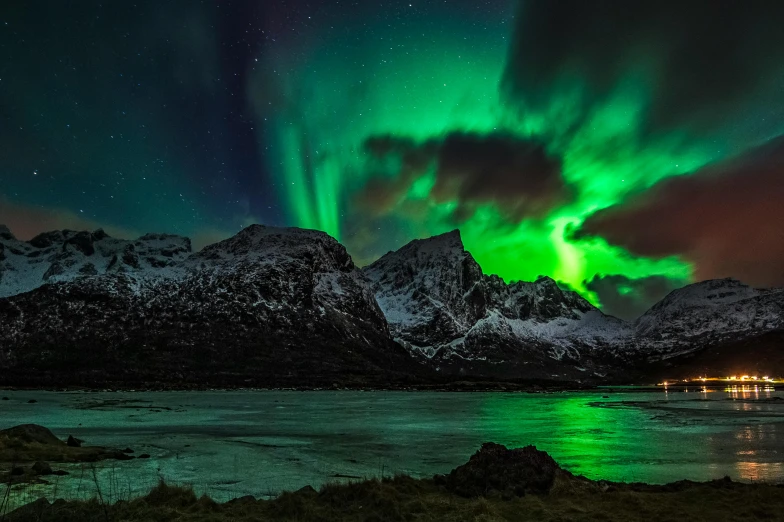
column 623, row 148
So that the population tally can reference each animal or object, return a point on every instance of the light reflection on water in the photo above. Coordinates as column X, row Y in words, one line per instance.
column 759, row 471
column 749, row 391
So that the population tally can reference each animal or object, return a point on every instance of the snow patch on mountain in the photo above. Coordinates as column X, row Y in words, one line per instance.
column 65, row 255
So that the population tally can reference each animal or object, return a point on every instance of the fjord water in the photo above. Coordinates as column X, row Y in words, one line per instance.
column 234, row 443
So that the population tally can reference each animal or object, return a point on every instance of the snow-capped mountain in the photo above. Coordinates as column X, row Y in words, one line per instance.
column 279, row 306
column 287, row 306
column 441, row 306
column 439, row 303
column 64, row 255
column 706, row 313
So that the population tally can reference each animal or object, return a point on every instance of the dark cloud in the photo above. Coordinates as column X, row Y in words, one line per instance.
column 726, row 219
column 403, row 160
column 515, row 174
column 699, row 58
column 630, row 298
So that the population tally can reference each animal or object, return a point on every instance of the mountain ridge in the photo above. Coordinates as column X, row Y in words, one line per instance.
column 267, row 307
column 283, row 298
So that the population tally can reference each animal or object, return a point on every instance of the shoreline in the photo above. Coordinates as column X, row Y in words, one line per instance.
column 460, row 387
column 456, row 386
column 496, row 483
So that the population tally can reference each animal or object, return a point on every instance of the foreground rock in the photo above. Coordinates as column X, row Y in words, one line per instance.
column 495, row 469
column 546, row 493
column 31, row 443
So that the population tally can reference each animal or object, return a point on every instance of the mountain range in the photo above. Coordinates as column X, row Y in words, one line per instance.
column 287, row 307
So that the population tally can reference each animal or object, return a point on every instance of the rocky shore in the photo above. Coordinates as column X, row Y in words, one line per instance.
column 28, row 451
column 496, row 484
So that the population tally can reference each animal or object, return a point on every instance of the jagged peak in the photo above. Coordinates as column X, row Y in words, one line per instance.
column 5, row 233
column 448, row 240
column 48, row 238
column 544, row 280
column 448, row 243
column 99, row 234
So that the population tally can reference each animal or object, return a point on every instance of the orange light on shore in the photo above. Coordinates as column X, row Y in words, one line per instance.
column 705, row 379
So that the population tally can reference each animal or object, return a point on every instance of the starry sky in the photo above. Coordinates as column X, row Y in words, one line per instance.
column 623, row 148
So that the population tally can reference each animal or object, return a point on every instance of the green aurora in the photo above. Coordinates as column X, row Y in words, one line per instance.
column 429, row 86
column 623, row 148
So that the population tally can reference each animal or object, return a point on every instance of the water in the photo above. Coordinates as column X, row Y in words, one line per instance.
column 229, row 444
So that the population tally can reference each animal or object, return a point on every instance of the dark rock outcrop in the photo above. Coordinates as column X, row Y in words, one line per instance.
column 34, row 443
column 494, row 469
column 42, row 468
column 25, row 434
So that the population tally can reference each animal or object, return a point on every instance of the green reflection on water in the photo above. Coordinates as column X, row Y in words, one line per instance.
column 580, row 436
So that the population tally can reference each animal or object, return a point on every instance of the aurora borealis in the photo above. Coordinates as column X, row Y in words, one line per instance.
column 623, row 148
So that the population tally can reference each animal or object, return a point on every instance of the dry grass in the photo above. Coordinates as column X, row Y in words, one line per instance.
column 407, row 499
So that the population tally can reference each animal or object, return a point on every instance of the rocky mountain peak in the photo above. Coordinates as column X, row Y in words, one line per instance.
column 438, row 301
column 257, row 243
column 431, row 261
column 447, row 241
column 5, row 233
column 65, row 255
column 448, row 244
column 429, row 289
